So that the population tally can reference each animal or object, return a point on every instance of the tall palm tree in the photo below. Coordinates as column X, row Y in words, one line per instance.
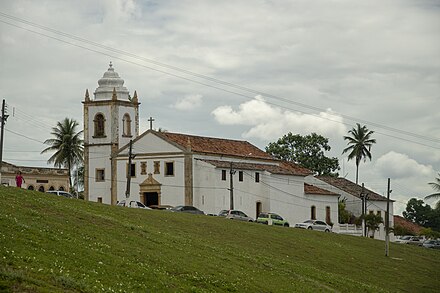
column 436, row 187
column 360, row 143
column 67, row 145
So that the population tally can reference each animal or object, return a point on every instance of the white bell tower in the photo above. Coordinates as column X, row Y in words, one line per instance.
column 111, row 120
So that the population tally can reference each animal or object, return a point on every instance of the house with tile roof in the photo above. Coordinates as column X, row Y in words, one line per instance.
column 351, row 192
column 168, row 168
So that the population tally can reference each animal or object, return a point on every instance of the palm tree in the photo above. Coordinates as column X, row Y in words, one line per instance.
column 67, row 144
column 360, row 143
column 436, row 187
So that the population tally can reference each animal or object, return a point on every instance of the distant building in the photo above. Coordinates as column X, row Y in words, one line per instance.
column 351, row 193
column 36, row 178
column 182, row 169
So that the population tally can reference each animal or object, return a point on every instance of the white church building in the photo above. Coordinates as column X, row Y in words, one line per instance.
column 180, row 169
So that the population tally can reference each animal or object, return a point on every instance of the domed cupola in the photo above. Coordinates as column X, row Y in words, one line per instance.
column 107, row 83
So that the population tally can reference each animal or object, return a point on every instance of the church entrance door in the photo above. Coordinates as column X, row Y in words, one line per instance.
column 258, row 209
column 151, row 198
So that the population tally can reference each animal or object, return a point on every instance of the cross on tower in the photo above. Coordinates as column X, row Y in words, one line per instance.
column 151, row 122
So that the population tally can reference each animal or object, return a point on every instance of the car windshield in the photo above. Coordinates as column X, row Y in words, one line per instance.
column 406, row 237
column 309, row 221
column 223, row 213
column 121, row 203
column 263, row 215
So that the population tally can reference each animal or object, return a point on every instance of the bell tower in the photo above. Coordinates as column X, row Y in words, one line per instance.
column 111, row 120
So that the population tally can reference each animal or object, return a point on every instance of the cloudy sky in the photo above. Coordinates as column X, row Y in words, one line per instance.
column 251, row 70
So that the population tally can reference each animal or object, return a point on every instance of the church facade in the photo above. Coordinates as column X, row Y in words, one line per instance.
column 168, row 168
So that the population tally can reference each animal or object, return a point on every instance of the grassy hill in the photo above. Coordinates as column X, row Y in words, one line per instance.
column 53, row 244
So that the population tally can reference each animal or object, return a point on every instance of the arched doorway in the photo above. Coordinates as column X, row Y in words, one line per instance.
column 41, row 188
column 30, row 187
column 150, row 191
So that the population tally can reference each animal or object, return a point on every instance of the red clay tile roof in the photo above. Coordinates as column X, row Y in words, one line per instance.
column 351, row 187
column 401, row 221
column 310, row 189
column 220, row 146
column 280, row 168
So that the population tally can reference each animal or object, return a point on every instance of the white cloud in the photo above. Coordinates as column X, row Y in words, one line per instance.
column 268, row 122
column 396, row 165
column 189, row 102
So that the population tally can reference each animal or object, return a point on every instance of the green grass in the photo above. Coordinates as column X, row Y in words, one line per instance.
column 53, row 244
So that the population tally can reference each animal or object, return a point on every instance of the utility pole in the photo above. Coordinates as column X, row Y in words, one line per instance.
column 231, row 188
column 363, row 210
column 387, row 221
column 3, row 119
column 130, row 157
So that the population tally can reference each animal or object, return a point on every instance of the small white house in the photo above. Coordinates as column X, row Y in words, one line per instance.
column 351, row 192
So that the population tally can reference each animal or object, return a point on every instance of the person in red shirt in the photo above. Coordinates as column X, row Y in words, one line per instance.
column 19, row 180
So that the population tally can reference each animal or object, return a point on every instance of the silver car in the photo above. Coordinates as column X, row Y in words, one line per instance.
column 60, row 193
column 133, row 204
column 235, row 215
column 314, row 225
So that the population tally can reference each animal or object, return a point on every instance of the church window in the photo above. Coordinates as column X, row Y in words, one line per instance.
column 61, row 188
column 143, row 168
column 169, row 168
column 100, row 175
column 132, row 170
column 156, row 167
column 313, row 214
column 224, row 175
column 126, row 125
column 41, row 188
column 257, row 177
column 51, row 188
column 240, row 176
column 327, row 215
column 99, row 125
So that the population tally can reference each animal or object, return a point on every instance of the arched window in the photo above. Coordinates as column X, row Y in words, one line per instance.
column 313, row 214
column 126, row 123
column 99, row 125
column 61, row 188
column 30, row 187
column 51, row 188
column 41, row 188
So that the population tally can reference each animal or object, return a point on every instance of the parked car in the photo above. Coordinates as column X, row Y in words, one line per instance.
column 60, row 193
column 235, row 215
column 412, row 240
column 314, row 225
column 431, row 243
column 274, row 219
column 133, row 204
column 187, row 209
column 161, row 207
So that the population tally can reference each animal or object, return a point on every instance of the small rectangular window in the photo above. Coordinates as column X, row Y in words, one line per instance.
column 169, row 168
column 100, row 175
column 371, row 212
column 240, row 176
column 99, row 199
column 257, row 177
column 156, row 167
column 143, row 168
column 224, row 175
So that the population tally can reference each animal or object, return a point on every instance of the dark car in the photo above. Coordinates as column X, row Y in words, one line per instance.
column 187, row 209
column 431, row 243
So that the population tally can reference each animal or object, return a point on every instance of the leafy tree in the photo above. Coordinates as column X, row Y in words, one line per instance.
column 372, row 221
column 306, row 151
column 417, row 211
column 436, row 187
column 344, row 216
column 429, row 233
column 360, row 143
column 67, row 145
column 401, row 231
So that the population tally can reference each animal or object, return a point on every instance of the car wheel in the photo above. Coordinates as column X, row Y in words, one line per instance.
column 286, row 225
column 310, row 228
column 327, row 230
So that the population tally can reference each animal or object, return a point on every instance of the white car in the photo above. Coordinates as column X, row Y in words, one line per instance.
column 408, row 239
column 314, row 225
column 60, row 193
column 133, row 204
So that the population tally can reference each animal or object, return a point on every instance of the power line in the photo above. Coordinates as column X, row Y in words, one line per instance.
column 218, row 81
